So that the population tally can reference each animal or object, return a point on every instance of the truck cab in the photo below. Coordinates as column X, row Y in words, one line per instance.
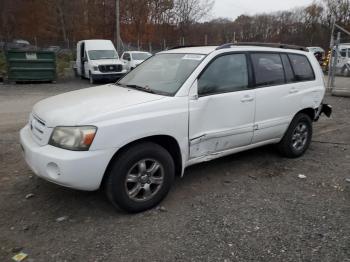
column 343, row 61
column 98, row 60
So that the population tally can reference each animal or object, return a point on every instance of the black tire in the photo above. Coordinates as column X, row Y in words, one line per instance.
column 91, row 79
column 75, row 72
column 115, row 183
column 287, row 145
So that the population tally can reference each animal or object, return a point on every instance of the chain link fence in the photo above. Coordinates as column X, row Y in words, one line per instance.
column 66, row 50
column 339, row 62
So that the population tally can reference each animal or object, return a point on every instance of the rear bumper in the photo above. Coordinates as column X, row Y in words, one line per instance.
column 79, row 170
column 324, row 109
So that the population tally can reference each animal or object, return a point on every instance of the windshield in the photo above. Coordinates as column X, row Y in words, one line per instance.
column 163, row 73
column 102, row 54
column 140, row 56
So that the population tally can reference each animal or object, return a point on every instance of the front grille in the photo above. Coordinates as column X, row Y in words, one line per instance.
column 37, row 126
column 39, row 130
column 110, row 68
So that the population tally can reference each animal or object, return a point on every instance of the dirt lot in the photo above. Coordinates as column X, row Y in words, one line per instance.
column 246, row 207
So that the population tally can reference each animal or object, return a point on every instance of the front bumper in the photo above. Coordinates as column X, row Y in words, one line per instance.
column 112, row 76
column 81, row 170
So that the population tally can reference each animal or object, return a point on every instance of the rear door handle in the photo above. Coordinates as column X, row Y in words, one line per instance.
column 247, row 98
column 293, row 90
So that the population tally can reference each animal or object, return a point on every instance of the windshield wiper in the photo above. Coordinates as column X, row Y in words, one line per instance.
column 144, row 89
column 141, row 88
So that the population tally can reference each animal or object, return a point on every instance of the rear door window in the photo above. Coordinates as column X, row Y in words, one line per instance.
column 302, row 67
column 268, row 69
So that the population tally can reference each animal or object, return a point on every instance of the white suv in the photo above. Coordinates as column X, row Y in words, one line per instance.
column 179, row 108
column 132, row 59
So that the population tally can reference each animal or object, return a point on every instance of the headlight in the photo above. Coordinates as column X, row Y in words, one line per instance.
column 96, row 68
column 73, row 138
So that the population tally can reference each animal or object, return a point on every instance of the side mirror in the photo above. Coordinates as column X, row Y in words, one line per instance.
column 128, row 59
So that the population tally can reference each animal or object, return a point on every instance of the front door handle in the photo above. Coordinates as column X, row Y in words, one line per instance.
column 247, row 98
column 293, row 90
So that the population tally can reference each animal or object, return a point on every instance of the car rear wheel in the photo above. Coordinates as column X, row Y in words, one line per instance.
column 346, row 72
column 298, row 137
column 140, row 177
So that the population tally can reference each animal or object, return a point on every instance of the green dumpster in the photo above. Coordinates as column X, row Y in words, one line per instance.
column 31, row 65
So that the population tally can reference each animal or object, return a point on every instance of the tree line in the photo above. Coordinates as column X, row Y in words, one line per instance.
column 165, row 22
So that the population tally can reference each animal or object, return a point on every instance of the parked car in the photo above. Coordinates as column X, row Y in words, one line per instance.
column 21, row 42
column 54, row 48
column 318, row 52
column 98, row 60
column 343, row 62
column 316, row 49
column 179, row 108
column 132, row 59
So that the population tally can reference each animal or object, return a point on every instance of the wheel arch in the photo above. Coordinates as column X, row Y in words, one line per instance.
column 166, row 141
column 311, row 112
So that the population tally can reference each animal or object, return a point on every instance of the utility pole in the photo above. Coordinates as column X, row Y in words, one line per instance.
column 335, row 61
column 330, row 63
column 117, row 24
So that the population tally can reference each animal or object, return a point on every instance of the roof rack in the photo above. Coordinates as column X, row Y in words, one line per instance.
column 275, row 45
column 183, row 46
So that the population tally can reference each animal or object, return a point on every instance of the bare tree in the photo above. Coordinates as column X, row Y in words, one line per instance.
column 189, row 11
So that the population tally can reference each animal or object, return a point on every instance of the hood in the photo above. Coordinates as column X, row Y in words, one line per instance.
column 106, row 62
column 83, row 106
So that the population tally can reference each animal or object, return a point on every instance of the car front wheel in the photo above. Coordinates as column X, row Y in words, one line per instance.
column 298, row 137
column 140, row 177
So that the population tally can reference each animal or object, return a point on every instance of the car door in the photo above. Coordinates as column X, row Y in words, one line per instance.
column 222, row 116
column 86, row 64
column 280, row 92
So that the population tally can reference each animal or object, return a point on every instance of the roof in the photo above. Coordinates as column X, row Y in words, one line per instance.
column 99, row 44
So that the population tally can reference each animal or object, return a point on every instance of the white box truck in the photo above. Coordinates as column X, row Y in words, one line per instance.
column 343, row 61
column 98, row 60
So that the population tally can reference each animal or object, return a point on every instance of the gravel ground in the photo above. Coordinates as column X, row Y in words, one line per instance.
column 250, row 206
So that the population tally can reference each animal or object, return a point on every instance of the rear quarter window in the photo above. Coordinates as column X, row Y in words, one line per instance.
column 302, row 68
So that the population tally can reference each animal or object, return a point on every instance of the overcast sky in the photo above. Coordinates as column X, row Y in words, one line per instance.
column 234, row 8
